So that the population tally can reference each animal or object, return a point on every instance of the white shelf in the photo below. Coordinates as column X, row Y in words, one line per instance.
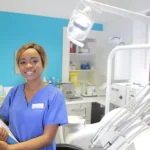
column 90, row 70
column 82, row 54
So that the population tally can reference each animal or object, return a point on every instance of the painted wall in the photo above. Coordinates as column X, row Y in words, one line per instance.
column 122, row 63
column 140, row 62
column 17, row 29
column 63, row 9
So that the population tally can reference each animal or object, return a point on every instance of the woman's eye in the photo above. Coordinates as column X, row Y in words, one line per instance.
column 22, row 62
column 34, row 61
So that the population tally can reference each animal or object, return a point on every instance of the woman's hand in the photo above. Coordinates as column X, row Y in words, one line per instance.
column 3, row 134
column 4, row 146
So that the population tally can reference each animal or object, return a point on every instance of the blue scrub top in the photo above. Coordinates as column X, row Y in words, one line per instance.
column 27, row 120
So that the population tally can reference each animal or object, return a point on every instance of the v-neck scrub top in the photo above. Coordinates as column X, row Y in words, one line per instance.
column 27, row 120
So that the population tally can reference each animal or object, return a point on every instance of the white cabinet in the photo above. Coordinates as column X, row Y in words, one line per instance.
column 85, row 61
column 93, row 74
column 85, row 66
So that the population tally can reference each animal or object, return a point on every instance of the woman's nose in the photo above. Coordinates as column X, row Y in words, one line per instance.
column 29, row 65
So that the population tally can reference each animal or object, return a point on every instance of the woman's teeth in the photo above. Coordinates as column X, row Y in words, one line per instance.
column 29, row 73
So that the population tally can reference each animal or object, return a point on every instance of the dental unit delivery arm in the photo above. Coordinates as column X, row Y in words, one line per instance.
column 125, row 124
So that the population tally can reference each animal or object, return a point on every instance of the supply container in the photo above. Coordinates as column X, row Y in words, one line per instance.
column 88, row 90
column 74, row 78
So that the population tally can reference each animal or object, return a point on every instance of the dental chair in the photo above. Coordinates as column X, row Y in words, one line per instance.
column 124, row 128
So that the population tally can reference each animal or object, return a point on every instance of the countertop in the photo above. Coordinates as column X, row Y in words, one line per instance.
column 98, row 99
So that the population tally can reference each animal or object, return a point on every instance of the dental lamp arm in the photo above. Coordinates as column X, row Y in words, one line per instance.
column 100, row 7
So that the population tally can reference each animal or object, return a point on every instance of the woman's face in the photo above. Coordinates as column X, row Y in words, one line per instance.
column 30, row 64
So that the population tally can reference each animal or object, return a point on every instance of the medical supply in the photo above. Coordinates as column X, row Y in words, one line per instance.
column 58, row 82
column 53, row 80
column 85, row 65
column 88, row 90
column 74, row 78
column 68, row 90
column 71, row 47
column 88, row 66
column 74, row 67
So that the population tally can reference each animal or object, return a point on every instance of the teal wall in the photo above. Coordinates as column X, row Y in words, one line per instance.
column 17, row 29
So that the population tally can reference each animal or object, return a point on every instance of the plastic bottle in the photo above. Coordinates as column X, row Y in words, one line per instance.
column 94, row 92
column 71, row 47
column 58, row 83
column 88, row 66
column 53, row 81
column 74, row 78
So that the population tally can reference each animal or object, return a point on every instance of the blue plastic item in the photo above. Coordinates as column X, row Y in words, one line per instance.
column 53, row 81
column 10, row 140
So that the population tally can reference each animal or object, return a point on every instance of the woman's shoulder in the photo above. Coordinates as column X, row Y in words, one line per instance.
column 54, row 92
column 16, row 88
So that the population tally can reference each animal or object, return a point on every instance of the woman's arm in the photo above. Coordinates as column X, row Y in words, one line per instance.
column 3, row 131
column 40, row 142
column 4, row 121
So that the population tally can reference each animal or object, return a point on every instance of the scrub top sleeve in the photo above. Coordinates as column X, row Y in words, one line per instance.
column 4, row 109
column 57, row 112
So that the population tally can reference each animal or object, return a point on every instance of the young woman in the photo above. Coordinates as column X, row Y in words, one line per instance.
column 33, row 110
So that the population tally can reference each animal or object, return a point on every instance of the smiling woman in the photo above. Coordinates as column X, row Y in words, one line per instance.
column 35, row 109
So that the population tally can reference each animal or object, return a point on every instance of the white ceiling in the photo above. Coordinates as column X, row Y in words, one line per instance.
column 64, row 8
column 133, row 5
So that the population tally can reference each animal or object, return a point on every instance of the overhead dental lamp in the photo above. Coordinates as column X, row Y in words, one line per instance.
column 82, row 21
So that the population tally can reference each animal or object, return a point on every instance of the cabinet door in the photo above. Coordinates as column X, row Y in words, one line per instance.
column 76, row 110
column 97, row 36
